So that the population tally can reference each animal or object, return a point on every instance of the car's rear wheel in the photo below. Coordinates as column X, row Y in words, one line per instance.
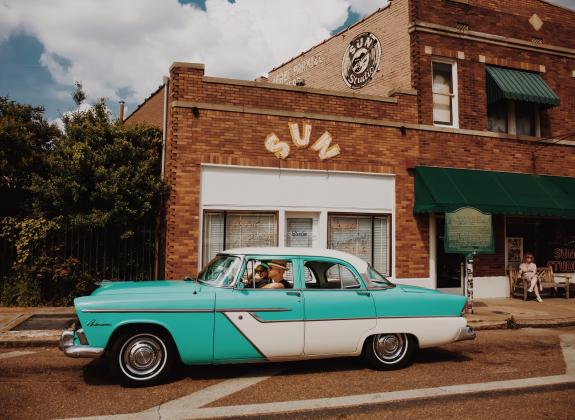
column 389, row 351
column 142, row 357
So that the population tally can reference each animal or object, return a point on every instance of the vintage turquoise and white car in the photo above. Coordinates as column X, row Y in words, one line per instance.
column 335, row 305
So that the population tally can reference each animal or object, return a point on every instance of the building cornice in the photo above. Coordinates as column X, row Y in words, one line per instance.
column 300, row 89
column 364, row 121
column 432, row 28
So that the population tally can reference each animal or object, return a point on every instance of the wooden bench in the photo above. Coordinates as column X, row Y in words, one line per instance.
column 546, row 279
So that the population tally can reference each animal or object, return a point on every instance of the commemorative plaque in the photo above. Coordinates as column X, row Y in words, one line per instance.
column 468, row 231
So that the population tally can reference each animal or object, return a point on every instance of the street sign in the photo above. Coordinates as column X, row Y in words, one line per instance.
column 468, row 230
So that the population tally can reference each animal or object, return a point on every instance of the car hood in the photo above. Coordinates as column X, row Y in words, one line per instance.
column 145, row 287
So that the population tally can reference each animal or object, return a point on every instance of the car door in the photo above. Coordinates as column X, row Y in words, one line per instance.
column 339, row 310
column 262, row 323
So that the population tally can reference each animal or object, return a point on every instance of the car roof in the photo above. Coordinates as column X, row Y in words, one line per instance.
column 359, row 264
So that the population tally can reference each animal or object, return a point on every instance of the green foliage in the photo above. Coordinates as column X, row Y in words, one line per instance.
column 25, row 137
column 102, row 173
column 97, row 172
column 38, row 276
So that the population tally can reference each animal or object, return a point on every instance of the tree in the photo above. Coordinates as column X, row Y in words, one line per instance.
column 25, row 138
column 101, row 172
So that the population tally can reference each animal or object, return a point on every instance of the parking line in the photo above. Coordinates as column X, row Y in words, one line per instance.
column 10, row 354
column 188, row 407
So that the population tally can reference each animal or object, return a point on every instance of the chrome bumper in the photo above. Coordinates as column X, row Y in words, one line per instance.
column 83, row 350
column 465, row 333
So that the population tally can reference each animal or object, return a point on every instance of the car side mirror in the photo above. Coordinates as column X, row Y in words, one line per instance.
column 240, row 285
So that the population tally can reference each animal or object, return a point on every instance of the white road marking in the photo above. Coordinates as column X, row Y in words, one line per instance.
column 15, row 354
column 189, row 407
column 192, row 401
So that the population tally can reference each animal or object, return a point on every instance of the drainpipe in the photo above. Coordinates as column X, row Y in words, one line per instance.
column 165, row 123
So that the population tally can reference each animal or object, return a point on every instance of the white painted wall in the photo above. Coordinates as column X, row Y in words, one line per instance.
column 490, row 287
column 240, row 187
column 287, row 191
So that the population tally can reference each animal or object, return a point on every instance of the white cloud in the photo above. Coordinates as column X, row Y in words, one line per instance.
column 130, row 44
column 366, row 7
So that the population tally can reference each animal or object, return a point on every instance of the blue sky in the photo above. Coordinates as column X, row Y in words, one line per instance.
column 24, row 78
column 121, row 49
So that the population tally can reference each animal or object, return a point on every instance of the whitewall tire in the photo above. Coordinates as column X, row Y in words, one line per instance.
column 389, row 351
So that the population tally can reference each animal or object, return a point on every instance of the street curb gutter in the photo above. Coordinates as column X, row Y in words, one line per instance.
column 509, row 324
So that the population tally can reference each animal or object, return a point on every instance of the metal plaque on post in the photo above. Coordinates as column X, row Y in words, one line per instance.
column 468, row 231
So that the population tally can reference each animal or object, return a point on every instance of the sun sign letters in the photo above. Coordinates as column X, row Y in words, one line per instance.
column 322, row 145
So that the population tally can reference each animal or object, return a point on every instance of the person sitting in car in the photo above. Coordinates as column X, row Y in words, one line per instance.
column 262, row 275
column 276, row 274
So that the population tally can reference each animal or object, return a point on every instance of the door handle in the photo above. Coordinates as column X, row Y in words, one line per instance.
column 298, row 294
column 363, row 293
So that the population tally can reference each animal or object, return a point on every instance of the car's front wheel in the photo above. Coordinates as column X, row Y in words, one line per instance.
column 142, row 357
column 389, row 351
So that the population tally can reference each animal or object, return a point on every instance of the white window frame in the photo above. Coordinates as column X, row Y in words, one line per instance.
column 455, row 94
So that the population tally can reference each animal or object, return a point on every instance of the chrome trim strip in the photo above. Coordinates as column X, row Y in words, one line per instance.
column 257, row 318
column 136, row 310
column 253, row 310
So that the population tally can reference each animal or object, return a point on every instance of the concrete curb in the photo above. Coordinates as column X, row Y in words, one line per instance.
column 42, row 339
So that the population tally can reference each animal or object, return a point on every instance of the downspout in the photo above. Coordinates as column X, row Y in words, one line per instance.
column 165, row 123
column 160, row 223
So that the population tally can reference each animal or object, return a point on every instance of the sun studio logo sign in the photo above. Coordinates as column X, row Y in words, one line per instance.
column 361, row 60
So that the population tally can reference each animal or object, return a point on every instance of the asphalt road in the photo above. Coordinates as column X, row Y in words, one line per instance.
column 42, row 383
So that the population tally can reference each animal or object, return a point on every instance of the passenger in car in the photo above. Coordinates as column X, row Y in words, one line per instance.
column 276, row 274
column 262, row 275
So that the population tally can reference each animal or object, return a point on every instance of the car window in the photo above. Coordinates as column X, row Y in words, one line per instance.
column 341, row 277
column 221, row 271
column 256, row 274
column 330, row 275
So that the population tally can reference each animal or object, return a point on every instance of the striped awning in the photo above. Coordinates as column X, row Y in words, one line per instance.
column 518, row 85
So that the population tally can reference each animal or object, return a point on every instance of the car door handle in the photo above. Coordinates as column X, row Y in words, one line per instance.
column 363, row 293
column 298, row 294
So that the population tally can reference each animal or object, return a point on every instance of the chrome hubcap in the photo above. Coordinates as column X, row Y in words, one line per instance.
column 390, row 347
column 142, row 355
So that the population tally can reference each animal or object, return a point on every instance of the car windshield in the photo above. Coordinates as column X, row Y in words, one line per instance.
column 376, row 280
column 220, row 271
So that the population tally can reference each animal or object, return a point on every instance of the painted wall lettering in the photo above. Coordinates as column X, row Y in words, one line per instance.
column 322, row 145
column 277, row 147
column 295, row 135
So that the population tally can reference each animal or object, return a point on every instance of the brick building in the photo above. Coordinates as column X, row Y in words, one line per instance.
column 363, row 142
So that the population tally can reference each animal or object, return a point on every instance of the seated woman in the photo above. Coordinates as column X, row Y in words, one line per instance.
column 527, row 271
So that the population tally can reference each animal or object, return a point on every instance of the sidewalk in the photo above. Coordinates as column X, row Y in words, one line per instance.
column 488, row 314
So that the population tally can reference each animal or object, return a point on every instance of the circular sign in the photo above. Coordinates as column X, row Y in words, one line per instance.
column 361, row 60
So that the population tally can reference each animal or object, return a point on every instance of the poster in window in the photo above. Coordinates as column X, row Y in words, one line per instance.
column 514, row 251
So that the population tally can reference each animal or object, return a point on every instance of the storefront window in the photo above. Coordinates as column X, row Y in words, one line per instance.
column 551, row 241
column 367, row 237
column 224, row 230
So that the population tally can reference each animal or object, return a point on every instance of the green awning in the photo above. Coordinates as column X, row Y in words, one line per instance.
column 438, row 190
column 518, row 85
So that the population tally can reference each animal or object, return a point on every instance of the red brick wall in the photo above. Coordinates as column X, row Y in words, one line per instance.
column 472, row 80
column 509, row 18
column 388, row 25
column 236, row 138
column 150, row 112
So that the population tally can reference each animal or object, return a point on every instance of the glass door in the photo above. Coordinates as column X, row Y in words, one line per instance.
column 301, row 230
column 450, row 267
